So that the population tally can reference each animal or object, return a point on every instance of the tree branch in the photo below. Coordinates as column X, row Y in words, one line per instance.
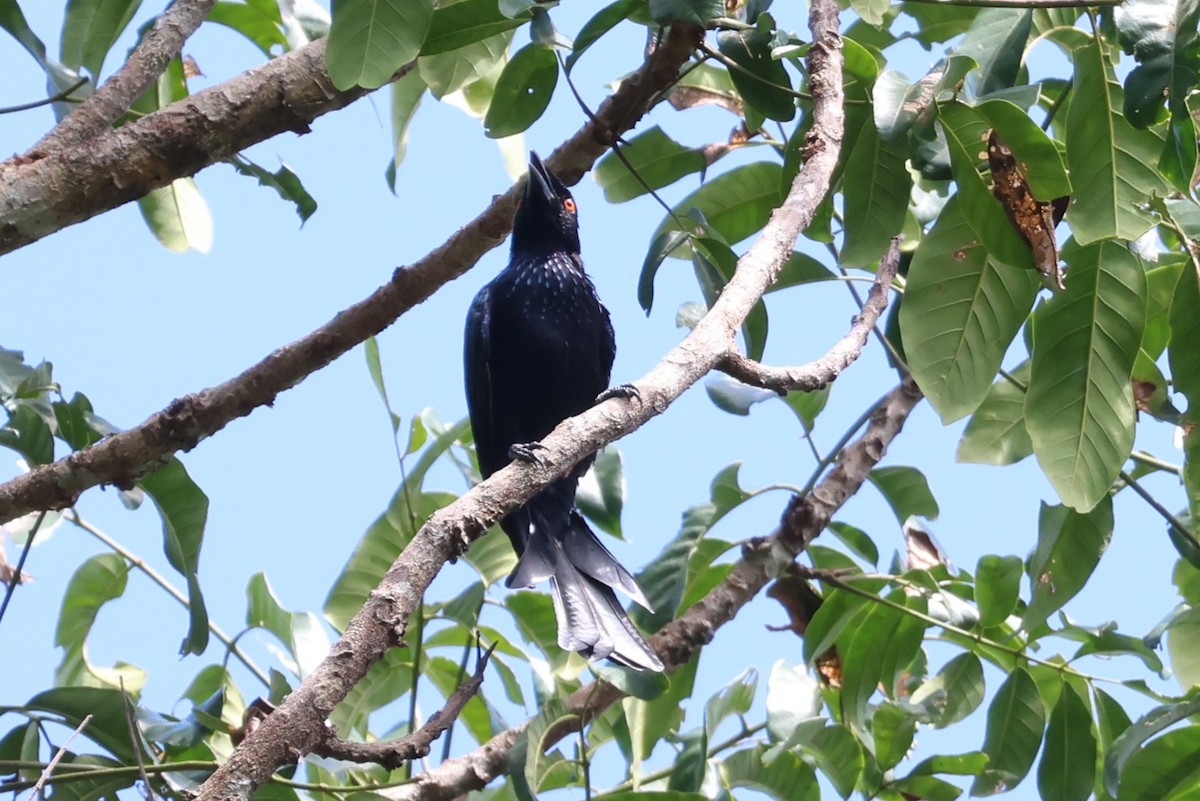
column 123, row 458
column 297, row 726
column 115, row 166
column 148, row 60
column 824, row 370
column 394, row 753
column 679, row 640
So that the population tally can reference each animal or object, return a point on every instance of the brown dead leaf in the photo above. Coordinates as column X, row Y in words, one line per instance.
column 1034, row 220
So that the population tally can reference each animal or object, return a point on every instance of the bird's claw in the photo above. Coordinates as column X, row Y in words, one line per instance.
column 624, row 391
column 526, row 452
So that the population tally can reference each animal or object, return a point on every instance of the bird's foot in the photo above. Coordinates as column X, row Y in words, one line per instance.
column 619, row 391
column 527, row 452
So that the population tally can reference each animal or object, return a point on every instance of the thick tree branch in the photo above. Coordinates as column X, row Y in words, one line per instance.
column 123, row 458
column 393, row 754
column 148, row 60
column 678, row 641
column 118, row 165
column 824, row 370
column 297, row 726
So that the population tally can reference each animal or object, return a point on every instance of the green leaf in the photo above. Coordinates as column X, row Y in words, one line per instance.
column 688, row 773
column 953, row 693
column 1015, row 721
column 183, row 507
column 735, row 205
column 106, row 706
column 664, row 245
column 1069, row 548
column 734, row 698
column 715, row 263
column 370, row 40
column 1165, row 768
column 996, row 40
column 875, row 187
column 537, row 763
column 97, row 581
column 1113, row 163
column 969, row 764
column 966, row 134
column 664, row 579
column 1183, row 352
column 1131, row 741
column 763, row 82
column 601, row 23
column 522, row 92
column 692, row 12
column 299, row 632
column 262, row 27
column 465, row 66
column 996, row 432
column 91, row 28
column 656, row 157
column 285, row 183
column 1183, row 646
column 1038, row 158
column 997, row 588
column 786, row 778
column 178, row 216
column 601, row 492
column 961, row 310
column 1161, row 34
column 906, row 490
column 466, row 22
column 857, row 540
column 838, row 755
column 875, row 651
column 27, row 434
column 1079, row 409
column 1067, row 771
column 405, row 95
column 893, row 730
column 927, row 788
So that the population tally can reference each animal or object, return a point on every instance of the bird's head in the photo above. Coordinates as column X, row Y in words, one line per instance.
column 546, row 219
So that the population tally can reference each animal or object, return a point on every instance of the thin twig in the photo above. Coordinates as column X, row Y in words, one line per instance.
column 824, row 370
column 135, row 741
column 11, row 587
column 393, row 754
column 64, row 95
column 58, row 755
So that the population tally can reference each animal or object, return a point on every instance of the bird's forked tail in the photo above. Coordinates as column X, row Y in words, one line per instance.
column 583, row 576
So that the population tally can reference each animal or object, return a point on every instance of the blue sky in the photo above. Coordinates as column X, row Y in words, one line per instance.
column 293, row 487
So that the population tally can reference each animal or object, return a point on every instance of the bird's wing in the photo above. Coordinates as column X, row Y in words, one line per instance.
column 478, row 377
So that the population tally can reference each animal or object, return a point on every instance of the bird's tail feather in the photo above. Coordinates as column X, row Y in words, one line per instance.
column 583, row 575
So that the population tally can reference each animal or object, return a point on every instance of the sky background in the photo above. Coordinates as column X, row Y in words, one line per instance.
column 293, row 487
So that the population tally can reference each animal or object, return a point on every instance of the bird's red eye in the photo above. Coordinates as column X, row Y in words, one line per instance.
column 569, row 205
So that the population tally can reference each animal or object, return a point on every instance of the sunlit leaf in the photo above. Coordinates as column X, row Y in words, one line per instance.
column 178, row 216
column 1069, row 547
column 371, row 39
column 906, row 491
column 90, row 29
column 1068, row 767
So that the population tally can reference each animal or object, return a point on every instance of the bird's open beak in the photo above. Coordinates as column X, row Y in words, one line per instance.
column 539, row 184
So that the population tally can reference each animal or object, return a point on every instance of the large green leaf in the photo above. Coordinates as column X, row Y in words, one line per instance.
column 735, row 204
column 454, row 69
column 996, row 40
column 997, row 588
column 1161, row 34
column 786, row 778
column 996, row 432
column 961, row 310
column 178, row 216
column 1183, row 645
column 966, row 130
column 91, row 28
column 906, row 490
column 106, row 707
column 370, row 39
column 601, row 492
column 183, row 507
column 1067, row 771
column 1165, row 768
column 1015, row 721
column 1183, row 351
column 656, row 157
column 1131, row 740
column 875, row 188
column 459, row 24
column 893, row 730
column 763, row 81
column 952, row 694
column 601, row 23
column 1112, row 164
column 1079, row 409
column 522, row 92
column 259, row 25
column 1069, row 547
column 97, row 581
column 875, row 650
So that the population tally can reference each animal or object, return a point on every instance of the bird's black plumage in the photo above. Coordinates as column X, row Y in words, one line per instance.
column 539, row 349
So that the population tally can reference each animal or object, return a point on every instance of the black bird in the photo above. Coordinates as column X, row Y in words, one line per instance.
column 539, row 349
